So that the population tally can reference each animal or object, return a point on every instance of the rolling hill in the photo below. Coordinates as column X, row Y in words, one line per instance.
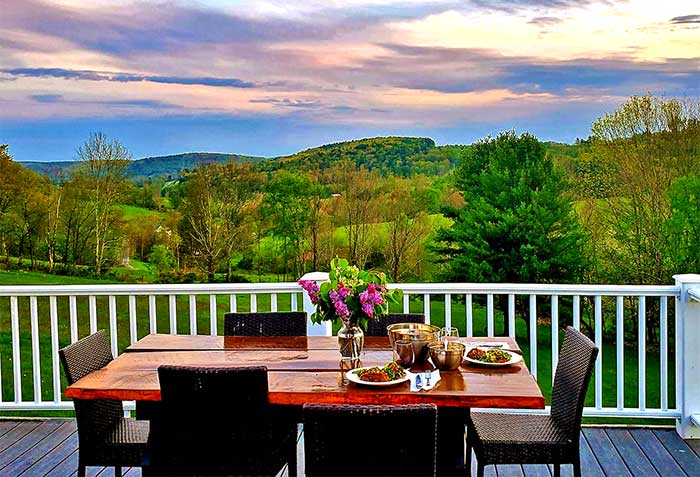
column 171, row 165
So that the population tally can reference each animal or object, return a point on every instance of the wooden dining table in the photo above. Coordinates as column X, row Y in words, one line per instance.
column 305, row 370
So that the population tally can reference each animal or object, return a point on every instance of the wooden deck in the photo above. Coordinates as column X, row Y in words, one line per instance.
column 49, row 448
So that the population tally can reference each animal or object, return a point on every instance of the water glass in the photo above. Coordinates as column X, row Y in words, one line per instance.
column 404, row 352
column 449, row 333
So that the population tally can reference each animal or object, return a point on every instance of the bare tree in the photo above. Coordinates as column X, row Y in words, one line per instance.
column 104, row 164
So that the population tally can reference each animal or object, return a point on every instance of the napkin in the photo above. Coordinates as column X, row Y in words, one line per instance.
column 434, row 379
column 419, row 382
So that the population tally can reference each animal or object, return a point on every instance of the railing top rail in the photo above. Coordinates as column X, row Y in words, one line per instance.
column 539, row 289
column 150, row 289
column 292, row 287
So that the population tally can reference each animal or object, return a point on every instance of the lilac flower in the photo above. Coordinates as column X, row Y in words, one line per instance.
column 311, row 288
column 370, row 297
column 341, row 308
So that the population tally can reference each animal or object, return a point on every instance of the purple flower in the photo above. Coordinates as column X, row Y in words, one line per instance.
column 370, row 297
column 341, row 308
column 311, row 288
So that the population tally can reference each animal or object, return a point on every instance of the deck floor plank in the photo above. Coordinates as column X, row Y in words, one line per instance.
column 45, row 464
column 16, row 433
column 26, row 442
column 536, row 470
column 657, row 454
column 6, row 426
column 589, row 463
column 52, row 437
column 679, row 450
column 67, row 467
column 609, row 459
column 48, row 448
column 509, row 470
column 630, row 452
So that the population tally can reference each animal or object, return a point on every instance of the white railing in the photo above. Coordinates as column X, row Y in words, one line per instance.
column 135, row 310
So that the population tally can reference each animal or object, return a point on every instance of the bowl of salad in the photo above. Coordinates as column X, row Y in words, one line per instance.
column 492, row 357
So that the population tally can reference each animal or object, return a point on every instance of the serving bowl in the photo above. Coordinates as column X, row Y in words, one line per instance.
column 412, row 331
column 447, row 359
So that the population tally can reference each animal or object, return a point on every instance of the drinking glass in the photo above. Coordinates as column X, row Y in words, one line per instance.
column 404, row 352
column 449, row 333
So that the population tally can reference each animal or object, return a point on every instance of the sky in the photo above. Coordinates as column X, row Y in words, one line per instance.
column 274, row 77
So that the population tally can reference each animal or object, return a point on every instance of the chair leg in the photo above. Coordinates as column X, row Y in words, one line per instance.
column 117, row 471
column 468, row 459
column 557, row 470
column 479, row 469
column 81, row 470
column 577, row 466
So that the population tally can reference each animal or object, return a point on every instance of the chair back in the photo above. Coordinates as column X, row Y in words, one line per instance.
column 285, row 323
column 94, row 416
column 349, row 440
column 378, row 327
column 576, row 360
column 214, row 421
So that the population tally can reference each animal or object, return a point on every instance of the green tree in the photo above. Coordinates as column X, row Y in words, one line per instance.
column 683, row 228
column 517, row 225
column 103, row 164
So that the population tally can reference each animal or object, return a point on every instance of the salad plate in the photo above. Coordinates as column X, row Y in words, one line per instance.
column 354, row 376
column 491, row 357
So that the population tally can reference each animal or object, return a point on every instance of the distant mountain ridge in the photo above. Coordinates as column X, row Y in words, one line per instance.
column 171, row 165
column 396, row 155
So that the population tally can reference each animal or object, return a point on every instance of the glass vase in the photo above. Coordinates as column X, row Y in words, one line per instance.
column 351, row 340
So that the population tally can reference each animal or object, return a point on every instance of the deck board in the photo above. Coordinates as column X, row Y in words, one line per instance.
column 679, row 450
column 630, row 452
column 605, row 453
column 657, row 454
column 48, row 448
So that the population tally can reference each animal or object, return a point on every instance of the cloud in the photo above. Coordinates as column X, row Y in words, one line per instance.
column 513, row 6
column 125, row 77
column 288, row 103
column 460, row 70
column 686, row 19
column 138, row 103
column 545, row 21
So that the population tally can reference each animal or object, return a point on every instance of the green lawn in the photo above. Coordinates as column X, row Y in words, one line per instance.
column 263, row 302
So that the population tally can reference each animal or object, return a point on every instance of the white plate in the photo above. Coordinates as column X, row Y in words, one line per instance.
column 514, row 358
column 352, row 377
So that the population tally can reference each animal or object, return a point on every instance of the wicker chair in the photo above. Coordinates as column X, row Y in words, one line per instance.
column 286, row 323
column 217, row 421
column 105, row 436
column 347, row 440
column 539, row 439
column 378, row 327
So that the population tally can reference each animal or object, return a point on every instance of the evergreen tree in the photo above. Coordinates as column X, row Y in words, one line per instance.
column 517, row 226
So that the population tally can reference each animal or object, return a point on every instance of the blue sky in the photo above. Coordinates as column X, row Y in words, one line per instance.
column 273, row 77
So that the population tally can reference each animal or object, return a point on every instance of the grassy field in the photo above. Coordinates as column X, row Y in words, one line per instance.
column 544, row 338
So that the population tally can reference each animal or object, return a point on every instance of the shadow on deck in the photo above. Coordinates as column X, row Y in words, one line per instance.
column 49, row 448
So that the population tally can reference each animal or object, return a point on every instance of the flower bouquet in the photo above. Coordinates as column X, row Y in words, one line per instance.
column 352, row 295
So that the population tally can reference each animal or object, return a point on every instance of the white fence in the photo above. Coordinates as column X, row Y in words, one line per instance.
column 44, row 318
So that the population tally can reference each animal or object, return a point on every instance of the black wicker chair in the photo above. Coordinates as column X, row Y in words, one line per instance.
column 378, row 327
column 217, row 421
column 105, row 436
column 539, row 439
column 284, row 323
column 347, row 440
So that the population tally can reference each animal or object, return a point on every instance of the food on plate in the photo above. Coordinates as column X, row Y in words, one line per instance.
column 389, row 372
column 489, row 356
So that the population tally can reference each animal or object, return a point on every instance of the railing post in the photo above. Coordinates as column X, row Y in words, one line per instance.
column 688, row 355
column 312, row 329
